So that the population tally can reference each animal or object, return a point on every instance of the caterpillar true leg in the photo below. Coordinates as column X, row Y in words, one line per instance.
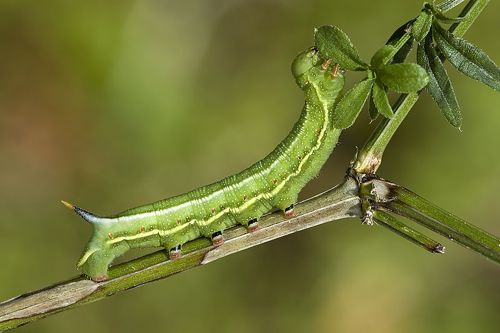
column 175, row 252
column 217, row 238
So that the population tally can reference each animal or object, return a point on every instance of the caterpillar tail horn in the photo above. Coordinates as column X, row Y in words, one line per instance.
column 87, row 216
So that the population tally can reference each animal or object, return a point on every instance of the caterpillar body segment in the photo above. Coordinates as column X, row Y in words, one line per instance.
column 271, row 183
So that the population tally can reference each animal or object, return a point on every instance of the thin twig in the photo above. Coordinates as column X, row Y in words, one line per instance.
column 340, row 202
column 408, row 233
column 404, row 202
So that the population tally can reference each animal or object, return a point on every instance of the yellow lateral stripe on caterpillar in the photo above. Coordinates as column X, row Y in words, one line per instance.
column 84, row 258
column 232, row 210
column 272, row 183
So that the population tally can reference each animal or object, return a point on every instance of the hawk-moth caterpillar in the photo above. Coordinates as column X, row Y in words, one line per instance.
column 271, row 183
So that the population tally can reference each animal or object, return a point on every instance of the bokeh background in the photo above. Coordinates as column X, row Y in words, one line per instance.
column 118, row 103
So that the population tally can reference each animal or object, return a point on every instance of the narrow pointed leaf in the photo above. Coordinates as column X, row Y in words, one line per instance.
column 372, row 109
column 350, row 105
column 403, row 52
column 439, row 86
column 448, row 4
column 381, row 100
column 403, row 78
column 445, row 19
column 440, row 16
column 334, row 44
column 422, row 25
column 467, row 57
column 382, row 57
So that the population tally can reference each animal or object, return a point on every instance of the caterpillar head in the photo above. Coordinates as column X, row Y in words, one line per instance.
column 308, row 67
column 304, row 61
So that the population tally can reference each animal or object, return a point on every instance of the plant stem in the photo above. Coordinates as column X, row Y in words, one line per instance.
column 471, row 12
column 370, row 156
column 405, row 231
column 404, row 202
column 340, row 202
column 446, row 224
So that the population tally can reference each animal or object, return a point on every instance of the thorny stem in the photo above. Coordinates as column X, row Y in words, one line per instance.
column 370, row 156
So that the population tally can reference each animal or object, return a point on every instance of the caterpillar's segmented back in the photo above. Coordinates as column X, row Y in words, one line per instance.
column 271, row 183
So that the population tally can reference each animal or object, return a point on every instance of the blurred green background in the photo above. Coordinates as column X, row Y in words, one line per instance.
column 119, row 103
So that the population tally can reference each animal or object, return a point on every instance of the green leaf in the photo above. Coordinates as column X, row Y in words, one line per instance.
column 403, row 52
column 439, row 86
column 422, row 25
column 403, row 78
column 467, row 57
column 381, row 100
column 334, row 44
column 445, row 19
column 382, row 56
column 372, row 109
column 351, row 103
column 448, row 4
column 440, row 16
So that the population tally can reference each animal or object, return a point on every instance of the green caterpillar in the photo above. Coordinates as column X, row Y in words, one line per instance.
column 272, row 183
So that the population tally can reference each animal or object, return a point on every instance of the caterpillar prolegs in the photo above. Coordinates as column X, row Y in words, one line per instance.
column 271, row 183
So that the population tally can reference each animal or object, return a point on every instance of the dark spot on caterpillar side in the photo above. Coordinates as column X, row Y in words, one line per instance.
column 213, row 211
column 142, row 228
column 110, row 236
column 275, row 181
column 178, row 222
column 245, row 197
column 299, row 157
